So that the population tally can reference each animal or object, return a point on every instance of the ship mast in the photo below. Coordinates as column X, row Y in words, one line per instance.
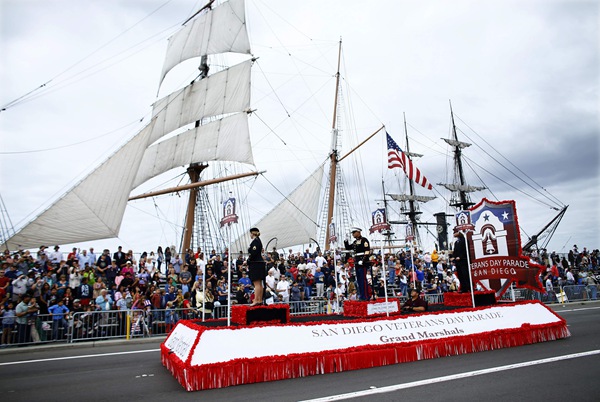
column 465, row 201
column 413, row 211
column 460, row 198
column 193, row 171
column 333, row 156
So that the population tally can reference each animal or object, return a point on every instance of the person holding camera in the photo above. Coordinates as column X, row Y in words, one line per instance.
column 19, row 287
column 23, row 310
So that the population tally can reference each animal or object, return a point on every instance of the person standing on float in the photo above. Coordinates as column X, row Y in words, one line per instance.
column 459, row 254
column 362, row 250
column 256, row 266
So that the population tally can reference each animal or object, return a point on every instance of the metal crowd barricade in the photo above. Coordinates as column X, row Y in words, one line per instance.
column 434, row 298
column 131, row 323
column 40, row 328
column 309, row 307
column 581, row 292
column 571, row 293
column 94, row 325
column 220, row 311
column 128, row 324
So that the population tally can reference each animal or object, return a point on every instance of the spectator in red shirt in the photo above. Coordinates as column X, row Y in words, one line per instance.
column 4, row 282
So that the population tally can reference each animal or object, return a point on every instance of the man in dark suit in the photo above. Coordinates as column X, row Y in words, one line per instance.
column 120, row 257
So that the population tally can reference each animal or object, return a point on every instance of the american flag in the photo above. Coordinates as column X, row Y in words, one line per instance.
column 398, row 159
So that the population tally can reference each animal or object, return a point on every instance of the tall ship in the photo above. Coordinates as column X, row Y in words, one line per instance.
column 205, row 135
column 204, row 129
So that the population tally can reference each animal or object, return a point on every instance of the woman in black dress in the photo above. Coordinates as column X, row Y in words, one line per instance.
column 256, row 266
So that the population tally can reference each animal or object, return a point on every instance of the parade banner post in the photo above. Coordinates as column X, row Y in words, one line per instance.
column 381, row 225
column 409, row 238
column 229, row 217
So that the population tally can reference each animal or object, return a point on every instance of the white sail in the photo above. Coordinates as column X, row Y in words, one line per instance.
column 408, row 197
column 227, row 91
column 413, row 155
column 91, row 210
column 219, row 31
column 456, row 143
column 458, row 187
column 226, row 139
column 294, row 220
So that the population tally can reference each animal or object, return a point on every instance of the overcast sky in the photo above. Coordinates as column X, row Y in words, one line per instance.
column 522, row 76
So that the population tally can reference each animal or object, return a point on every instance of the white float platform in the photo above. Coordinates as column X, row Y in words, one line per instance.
column 205, row 358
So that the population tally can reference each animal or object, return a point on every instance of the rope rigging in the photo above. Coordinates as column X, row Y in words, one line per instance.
column 69, row 80
column 547, row 196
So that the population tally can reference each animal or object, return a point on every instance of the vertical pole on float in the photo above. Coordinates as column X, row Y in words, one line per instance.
column 384, row 269
column 335, row 291
column 203, row 290
column 333, row 242
column 229, row 275
column 412, row 266
column 229, row 217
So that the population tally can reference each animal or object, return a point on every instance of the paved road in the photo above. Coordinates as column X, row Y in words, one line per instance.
column 131, row 372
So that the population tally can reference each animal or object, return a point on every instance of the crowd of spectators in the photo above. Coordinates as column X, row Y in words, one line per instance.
column 170, row 286
column 576, row 268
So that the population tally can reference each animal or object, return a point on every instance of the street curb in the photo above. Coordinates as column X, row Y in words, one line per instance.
column 80, row 345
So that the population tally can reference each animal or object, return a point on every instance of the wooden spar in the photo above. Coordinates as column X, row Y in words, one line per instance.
column 194, row 172
column 194, row 185
column 361, row 144
column 533, row 240
column 333, row 156
column 208, row 5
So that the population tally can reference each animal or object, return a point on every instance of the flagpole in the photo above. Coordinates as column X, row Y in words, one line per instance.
column 385, row 276
column 412, row 266
column 229, row 276
column 203, row 288
column 337, row 294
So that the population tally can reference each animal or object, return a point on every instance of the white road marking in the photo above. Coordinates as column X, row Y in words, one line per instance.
column 428, row 381
column 577, row 309
column 78, row 357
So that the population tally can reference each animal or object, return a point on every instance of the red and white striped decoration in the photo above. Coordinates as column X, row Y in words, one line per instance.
column 398, row 159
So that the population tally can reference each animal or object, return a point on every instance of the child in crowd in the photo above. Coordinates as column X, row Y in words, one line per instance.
column 169, row 317
column 8, row 322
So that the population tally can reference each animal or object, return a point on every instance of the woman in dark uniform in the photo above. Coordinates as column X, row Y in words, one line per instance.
column 256, row 266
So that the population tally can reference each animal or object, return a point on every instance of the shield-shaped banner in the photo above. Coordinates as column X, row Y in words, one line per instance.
column 495, row 249
column 379, row 221
column 229, row 215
